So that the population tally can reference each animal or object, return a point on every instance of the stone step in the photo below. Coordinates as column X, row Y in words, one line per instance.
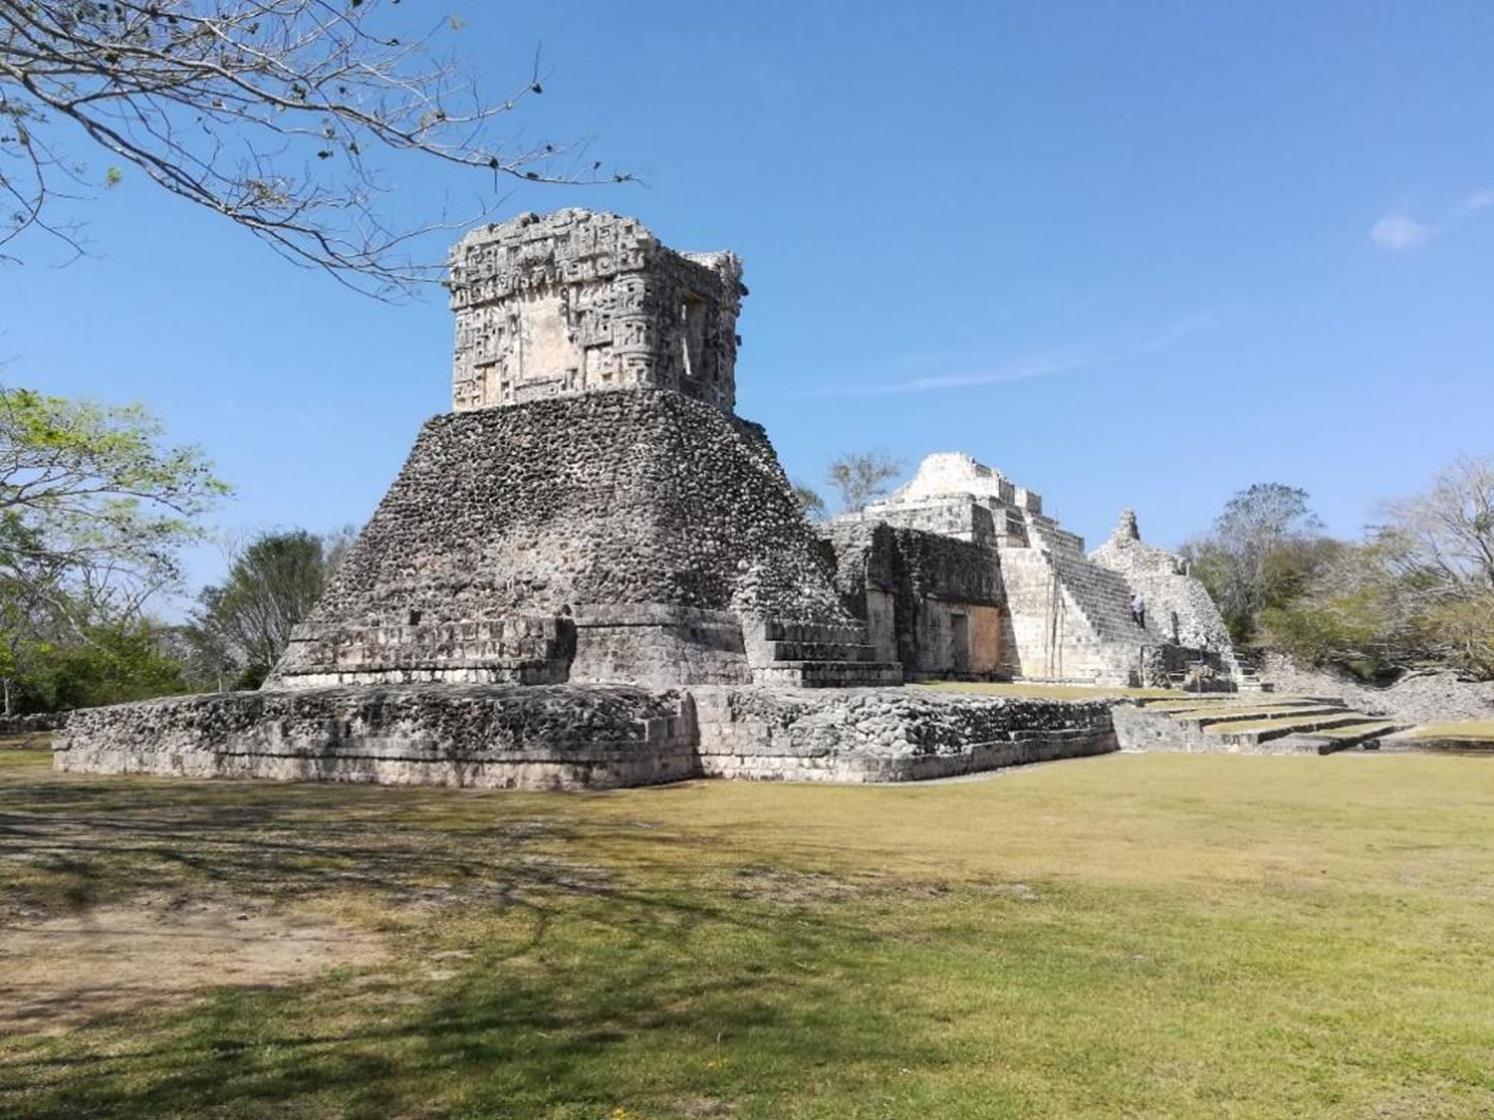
column 1218, row 701
column 1251, row 732
column 1207, row 720
column 776, row 630
column 829, row 674
column 1179, row 703
column 1366, row 735
column 821, row 651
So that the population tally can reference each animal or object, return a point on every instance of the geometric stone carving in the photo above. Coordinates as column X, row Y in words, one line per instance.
column 580, row 302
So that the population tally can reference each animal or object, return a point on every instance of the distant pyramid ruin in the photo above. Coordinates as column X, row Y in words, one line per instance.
column 970, row 577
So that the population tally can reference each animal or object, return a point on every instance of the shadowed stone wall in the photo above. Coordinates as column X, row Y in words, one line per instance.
column 932, row 602
column 557, row 737
column 613, row 536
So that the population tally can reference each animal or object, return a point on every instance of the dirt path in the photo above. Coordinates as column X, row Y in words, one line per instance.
column 159, row 950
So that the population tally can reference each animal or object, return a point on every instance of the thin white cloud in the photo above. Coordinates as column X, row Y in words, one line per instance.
column 1043, row 366
column 1021, row 372
column 1401, row 233
column 1174, row 333
column 1478, row 200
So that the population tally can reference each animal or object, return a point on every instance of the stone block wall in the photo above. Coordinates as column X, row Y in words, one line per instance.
column 932, row 602
column 572, row 736
column 880, row 736
column 495, row 737
column 535, row 650
column 628, row 513
column 1093, row 636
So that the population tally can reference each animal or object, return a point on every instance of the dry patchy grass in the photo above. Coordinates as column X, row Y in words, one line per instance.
column 1473, row 729
column 1156, row 935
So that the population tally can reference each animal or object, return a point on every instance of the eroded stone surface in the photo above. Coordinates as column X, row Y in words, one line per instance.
column 888, row 735
column 635, row 534
column 568, row 736
column 580, row 302
column 496, row 736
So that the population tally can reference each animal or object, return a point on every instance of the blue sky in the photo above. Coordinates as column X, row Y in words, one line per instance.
column 1142, row 254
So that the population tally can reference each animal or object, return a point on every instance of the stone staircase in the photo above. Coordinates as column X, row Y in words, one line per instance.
column 1102, row 596
column 1233, row 724
column 1246, row 674
column 816, row 655
column 1097, row 640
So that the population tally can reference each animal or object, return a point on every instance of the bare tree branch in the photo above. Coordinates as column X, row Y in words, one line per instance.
column 262, row 111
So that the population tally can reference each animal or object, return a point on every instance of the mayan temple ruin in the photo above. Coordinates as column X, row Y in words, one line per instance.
column 591, row 572
column 966, row 576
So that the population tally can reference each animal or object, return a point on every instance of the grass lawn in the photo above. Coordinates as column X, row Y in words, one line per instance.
column 1130, row 936
column 1480, row 729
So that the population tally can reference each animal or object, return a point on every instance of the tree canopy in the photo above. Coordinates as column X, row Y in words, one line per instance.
column 93, row 503
column 241, row 627
column 1263, row 544
column 1416, row 590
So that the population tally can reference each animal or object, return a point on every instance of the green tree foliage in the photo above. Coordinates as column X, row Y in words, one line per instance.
column 241, row 627
column 859, row 477
column 94, row 508
column 117, row 662
column 1419, row 590
column 92, row 503
column 1263, row 550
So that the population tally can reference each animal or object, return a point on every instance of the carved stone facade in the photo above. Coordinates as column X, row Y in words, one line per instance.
column 578, row 302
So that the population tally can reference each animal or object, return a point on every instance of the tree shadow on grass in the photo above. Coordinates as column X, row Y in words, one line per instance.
column 488, row 1047
column 578, row 985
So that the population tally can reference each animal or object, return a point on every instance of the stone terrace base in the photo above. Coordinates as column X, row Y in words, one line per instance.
column 577, row 736
column 483, row 736
column 888, row 734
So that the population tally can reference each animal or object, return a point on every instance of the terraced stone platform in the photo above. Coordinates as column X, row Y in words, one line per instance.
column 1248, row 724
column 498, row 736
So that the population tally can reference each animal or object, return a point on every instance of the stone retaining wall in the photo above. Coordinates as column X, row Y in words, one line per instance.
column 33, row 724
column 887, row 735
column 1137, row 729
column 494, row 736
column 578, row 736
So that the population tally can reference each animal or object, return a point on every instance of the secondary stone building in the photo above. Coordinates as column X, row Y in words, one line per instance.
column 961, row 573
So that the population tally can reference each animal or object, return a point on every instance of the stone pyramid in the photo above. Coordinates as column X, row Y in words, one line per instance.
column 592, row 511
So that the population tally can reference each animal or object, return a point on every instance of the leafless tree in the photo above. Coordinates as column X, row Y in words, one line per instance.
column 1448, row 532
column 266, row 112
column 858, row 477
